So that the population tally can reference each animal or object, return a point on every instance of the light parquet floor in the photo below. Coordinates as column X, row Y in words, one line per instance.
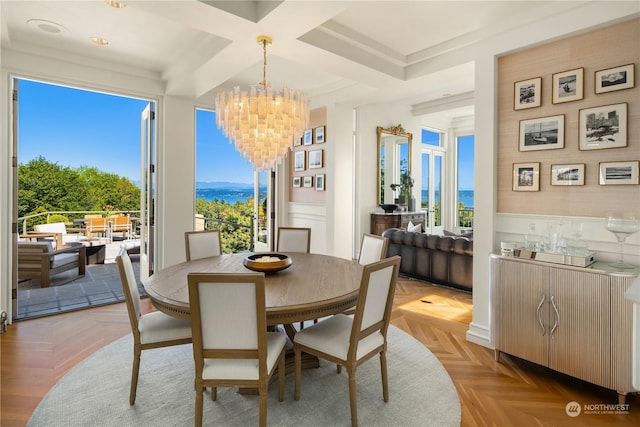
column 37, row 353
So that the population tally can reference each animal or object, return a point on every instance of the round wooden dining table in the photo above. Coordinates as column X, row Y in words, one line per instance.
column 313, row 286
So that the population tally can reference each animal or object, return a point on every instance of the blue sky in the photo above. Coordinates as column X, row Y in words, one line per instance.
column 76, row 128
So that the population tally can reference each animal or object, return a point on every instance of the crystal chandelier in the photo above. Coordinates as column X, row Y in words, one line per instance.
column 262, row 123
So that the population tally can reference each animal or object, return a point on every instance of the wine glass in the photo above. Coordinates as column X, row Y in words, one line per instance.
column 622, row 225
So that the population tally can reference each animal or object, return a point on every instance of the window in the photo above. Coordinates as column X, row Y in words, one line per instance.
column 224, row 187
column 465, row 148
column 432, row 179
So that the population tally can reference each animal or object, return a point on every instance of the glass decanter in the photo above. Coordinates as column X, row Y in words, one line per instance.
column 622, row 225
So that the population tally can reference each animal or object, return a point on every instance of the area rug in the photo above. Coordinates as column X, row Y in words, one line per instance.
column 96, row 392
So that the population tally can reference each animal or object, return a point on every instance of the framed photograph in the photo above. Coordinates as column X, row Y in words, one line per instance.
column 315, row 159
column 298, row 142
column 296, row 181
column 298, row 160
column 320, row 182
column 568, row 86
column 319, row 133
column 572, row 174
column 603, row 127
column 618, row 78
column 527, row 94
column 545, row 133
column 307, row 181
column 615, row 173
column 308, row 137
column 526, row 177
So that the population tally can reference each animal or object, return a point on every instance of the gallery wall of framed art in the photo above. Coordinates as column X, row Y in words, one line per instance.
column 307, row 162
column 569, row 124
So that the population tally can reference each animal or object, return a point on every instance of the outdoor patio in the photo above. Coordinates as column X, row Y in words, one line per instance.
column 99, row 286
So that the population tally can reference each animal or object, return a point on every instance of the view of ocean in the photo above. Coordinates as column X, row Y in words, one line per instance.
column 464, row 196
column 229, row 195
column 232, row 195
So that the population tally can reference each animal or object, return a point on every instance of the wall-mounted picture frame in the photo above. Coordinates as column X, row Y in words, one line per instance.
column 603, row 127
column 307, row 138
column 568, row 174
column 307, row 181
column 319, row 134
column 298, row 160
column 544, row 133
column 616, row 78
column 568, row 86
column 527, row 93
column 526, row 176
column 315, row 159
column 619, row 173
column 320, row 182
column 298, row 141
column 297, row 181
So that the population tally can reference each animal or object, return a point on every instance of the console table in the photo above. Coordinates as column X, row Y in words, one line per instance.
column 381, row 221
column 574, row 320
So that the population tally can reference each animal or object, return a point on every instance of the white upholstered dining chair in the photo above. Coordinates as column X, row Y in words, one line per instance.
column 202, row 244
column 373, row 248
column 231, row 345
column 350, row 341
column 292, row 239
column 151, row 330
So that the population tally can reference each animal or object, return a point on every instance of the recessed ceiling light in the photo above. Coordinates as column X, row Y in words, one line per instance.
column 100, row 41
column 116, row 4
column 46, row 26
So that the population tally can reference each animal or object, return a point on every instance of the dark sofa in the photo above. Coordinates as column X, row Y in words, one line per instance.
column 445, row 260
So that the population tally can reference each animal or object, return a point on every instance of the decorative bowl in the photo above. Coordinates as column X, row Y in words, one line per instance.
column 389, row 208
column 267, row 262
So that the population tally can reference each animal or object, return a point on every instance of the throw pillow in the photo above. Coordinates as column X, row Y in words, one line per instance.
column 417, row 228
column 468, row 234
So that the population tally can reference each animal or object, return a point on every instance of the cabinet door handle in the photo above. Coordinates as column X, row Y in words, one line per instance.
column 555, row 308
column 540, row 318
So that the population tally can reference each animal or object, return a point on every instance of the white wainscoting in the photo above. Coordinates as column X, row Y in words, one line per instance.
column 310, row 215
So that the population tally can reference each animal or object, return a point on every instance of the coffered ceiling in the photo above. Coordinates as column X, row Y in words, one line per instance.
column 351, row 51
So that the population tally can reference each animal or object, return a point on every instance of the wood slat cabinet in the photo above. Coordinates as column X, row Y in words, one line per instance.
column 381, row 221
column 570, row 319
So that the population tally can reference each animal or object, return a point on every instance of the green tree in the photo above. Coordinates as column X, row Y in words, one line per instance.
column 47, row 186
column 233, row 221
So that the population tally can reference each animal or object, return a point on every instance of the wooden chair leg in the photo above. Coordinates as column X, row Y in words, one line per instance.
column 281, row 372
column 298, row 371
column 134, row 374
column 197, row 421
column 351, row 371
column 214, row 393
column 263, row 405
column 383, row 371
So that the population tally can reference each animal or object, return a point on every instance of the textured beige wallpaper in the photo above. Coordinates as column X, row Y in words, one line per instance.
column 594, row 51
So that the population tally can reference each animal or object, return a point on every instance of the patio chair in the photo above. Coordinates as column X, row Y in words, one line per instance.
column 55, row 231
column 350, row 341
column 121, row 224
column 38, row 260
column 96, row 225
column 151, row 330
column 231, row 345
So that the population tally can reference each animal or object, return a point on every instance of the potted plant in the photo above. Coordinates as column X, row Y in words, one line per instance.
column 405, row 186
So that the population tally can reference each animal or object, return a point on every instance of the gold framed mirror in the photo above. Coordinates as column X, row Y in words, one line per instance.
column 394, row 159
